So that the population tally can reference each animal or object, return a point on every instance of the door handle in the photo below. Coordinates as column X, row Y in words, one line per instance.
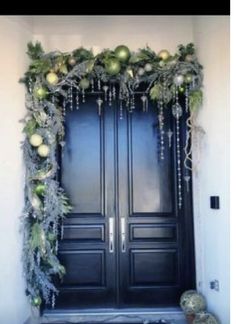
column 122, row 227
column 111, row 234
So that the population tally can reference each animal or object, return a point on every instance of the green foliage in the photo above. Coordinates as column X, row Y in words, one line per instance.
column 36, row 51
column 155, row 92
column 82, row 54
column 30, row 127
column 186, row 50
column 39, row 66
column 37, row 239
column 195, row 100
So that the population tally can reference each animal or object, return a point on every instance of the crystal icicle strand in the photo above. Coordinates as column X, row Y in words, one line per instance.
column 99, row 102
column 105, row 88
column 144, row 99
column 53, row 300
column 77, row 99
column 70, row 99
column 178, row 153
column 121, row 104
column 161, row 128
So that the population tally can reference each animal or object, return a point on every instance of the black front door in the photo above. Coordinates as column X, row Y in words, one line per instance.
column 126, row 243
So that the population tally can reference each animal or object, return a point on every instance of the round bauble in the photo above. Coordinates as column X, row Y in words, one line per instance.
column 163, row 55
column 141, row 71
column 40, row 92
column 71, row 61
column 84, row 83
column 40, row 189
column 122, row 53
column 52, row 78
column 178, row 79
column 162, row 64
column 192, row 302
column 36, row 140
column 205, row 318
column 181, row 89
column 36, row 301
column 148, row 67
column 112, row 66
column 43, row 150
column 188, row 78
column 189, row 58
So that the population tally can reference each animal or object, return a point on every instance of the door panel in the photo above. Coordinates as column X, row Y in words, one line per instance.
column 84, row 250
column 125, row 244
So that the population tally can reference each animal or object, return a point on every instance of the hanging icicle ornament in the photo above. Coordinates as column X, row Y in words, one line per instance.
column 144, row 99
column 177, row 113
column 169, row 135
column 187, row 179
column 105, row 89
column 77, row 99
column 99, row 102
column 161, row 129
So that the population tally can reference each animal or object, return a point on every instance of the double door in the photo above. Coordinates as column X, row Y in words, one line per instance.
column 126, row 243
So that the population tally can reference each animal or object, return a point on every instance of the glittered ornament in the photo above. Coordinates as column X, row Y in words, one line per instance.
column 141, row 71
column 178, row 79
column 43, row 150
column 84, row 84
column 205, row 318
column 36, row 301
column 72, row 61
column 188, row 78
column 52, row 78
column 40, row 189
column 36, row 140
column 112, row 66
column 163, row 55
column 148, row 67
column 122, row 53
column 192, row 302
column 40, row 92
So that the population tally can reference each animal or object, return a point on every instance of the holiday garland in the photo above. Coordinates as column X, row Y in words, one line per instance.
column 58, row 81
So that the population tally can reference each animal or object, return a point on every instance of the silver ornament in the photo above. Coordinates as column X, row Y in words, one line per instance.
column 178, row 79
column 148, row 67
column 141, row 71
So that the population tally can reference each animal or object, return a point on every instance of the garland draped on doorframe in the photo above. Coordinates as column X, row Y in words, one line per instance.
column 59, row 81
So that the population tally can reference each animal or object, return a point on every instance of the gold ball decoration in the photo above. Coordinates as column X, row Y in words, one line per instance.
column 122, row 53
column 163, row 55
column 189, row 58
column 43, row 150
column 52, row 78
column 40, row 93
column 36, row 140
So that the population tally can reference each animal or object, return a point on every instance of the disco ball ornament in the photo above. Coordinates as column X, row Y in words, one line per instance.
column 192, row 302
column 205, row 318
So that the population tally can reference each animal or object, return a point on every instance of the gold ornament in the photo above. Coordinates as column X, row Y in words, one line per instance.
column 113, row 66
column 43, row 150
column 36, row 140
column 163, row 55
column 40, row 92
column 188, row 78
column 52, row 78
column 189, row 58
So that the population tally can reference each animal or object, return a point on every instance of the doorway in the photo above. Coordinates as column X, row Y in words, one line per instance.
column 126, row 243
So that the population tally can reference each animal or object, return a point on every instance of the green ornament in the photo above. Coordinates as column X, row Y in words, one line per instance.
column 181, row 89
column 36, row 301
column 40, row 189
column 84, row 84
column 188, row 78
column 122, row 53
column 40, row 92
column 112, row 66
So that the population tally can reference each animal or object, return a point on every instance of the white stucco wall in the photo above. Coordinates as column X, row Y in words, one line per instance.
column 211, row 36
column 14, row 35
